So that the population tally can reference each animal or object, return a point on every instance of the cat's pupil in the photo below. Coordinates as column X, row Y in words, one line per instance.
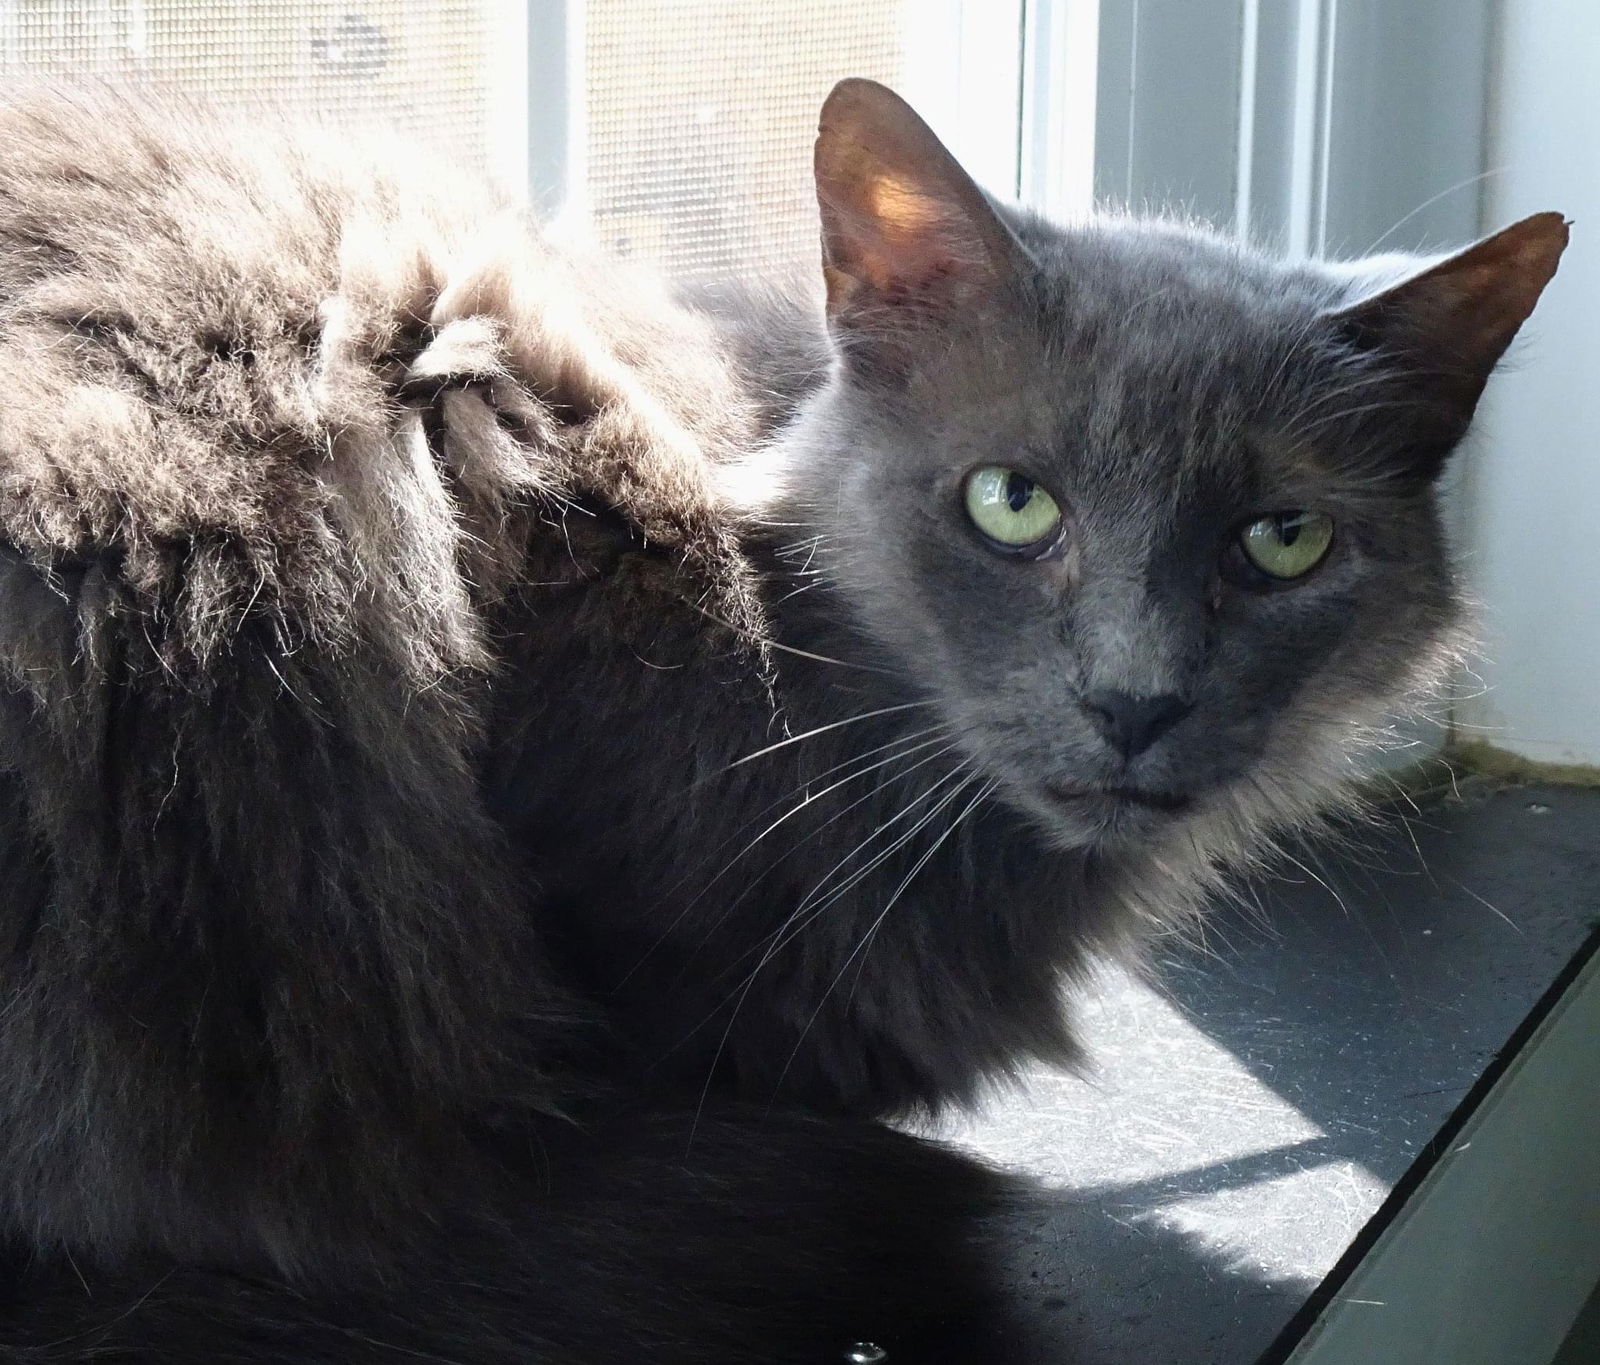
column 1019, row 491
column 1289, row 529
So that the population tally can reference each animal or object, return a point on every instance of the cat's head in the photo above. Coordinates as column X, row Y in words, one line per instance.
column 1150, row 516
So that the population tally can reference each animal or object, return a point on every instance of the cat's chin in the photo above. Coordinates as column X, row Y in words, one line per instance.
column 1119, row 798
column 1079, row 817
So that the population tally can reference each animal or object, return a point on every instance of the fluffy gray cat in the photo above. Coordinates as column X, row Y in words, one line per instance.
column 508, row 777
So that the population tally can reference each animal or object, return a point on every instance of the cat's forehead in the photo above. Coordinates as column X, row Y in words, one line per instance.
column 1166, row 358
column 1169, row 311
column 1170, row 269
column 1152, row 366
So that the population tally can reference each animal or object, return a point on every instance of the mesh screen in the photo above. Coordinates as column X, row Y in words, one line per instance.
column 420, row 67
column 701, row 115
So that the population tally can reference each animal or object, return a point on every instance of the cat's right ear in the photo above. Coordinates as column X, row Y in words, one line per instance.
column 908, row 239
column 1449, row 324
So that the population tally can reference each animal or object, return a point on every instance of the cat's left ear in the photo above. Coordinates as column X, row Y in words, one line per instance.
column 1450, row 323
column 908, row 239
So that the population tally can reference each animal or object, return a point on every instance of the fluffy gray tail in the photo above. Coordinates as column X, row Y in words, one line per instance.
column 762, row 1239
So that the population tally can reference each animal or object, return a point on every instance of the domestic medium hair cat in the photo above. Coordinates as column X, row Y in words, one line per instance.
column 510, row 777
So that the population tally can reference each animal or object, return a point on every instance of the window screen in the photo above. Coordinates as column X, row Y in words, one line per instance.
column 700, row 115
column 424, row 68
column 694, row 119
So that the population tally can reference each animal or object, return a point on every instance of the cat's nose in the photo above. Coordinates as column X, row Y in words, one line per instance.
column 1132, row 724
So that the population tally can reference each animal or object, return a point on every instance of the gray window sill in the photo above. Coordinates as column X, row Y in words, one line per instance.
column 1251, row 1110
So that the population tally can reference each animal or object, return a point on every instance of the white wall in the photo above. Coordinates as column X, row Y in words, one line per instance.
column 1533, row 478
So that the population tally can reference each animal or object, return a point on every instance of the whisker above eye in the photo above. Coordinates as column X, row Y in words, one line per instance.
column 1323, row 401
column 1305, row 430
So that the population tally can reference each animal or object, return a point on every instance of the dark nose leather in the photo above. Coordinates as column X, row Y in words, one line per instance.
column 1132, row 724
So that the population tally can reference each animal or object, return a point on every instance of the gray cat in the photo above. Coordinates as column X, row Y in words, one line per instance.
column 509, row 777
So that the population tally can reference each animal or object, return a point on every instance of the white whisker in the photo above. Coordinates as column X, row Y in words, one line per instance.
column 786, row 649
column 816, row 833
column 822, row 730
column 864, row 945
column 904, row 747
column 741, row 992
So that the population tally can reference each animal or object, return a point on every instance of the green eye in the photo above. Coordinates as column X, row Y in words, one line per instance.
column 1011, row 509
column 1287, row 544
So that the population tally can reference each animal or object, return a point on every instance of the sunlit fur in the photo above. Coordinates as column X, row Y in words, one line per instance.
column 507, row 778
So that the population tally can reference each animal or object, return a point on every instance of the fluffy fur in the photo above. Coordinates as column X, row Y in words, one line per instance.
column 455, row 695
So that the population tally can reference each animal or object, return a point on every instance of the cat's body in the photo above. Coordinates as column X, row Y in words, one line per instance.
column 456, row 699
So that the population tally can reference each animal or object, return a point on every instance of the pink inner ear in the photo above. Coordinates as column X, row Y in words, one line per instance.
column 900, row 246
column 907, row 270
column 905, row 229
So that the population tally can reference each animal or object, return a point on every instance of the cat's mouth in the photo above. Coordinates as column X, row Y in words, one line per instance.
column 1078, row 797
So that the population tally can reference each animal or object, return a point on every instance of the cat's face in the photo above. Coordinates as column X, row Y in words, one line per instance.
column 1150, row 519
column 1052, row 524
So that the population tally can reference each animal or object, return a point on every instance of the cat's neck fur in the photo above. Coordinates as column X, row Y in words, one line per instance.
column 816, row 900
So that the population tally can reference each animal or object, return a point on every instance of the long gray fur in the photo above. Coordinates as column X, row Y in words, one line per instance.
column 503, row 769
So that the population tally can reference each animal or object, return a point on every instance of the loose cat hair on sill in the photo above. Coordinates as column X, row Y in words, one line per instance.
column 509, row 776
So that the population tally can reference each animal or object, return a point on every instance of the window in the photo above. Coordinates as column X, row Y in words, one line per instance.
column 697, row 117
column 691, row 120
column 432, row 70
